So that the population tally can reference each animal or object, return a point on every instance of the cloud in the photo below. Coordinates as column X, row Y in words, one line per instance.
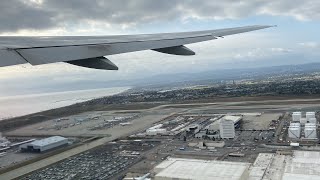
column 25, row 16
column 310, row 44
column 281, row 50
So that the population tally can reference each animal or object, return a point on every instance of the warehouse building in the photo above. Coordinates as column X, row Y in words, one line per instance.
column 294, row 130
column 310, row 115
column 310, row 131
column 302, row 165
column 312, row 120
column 189, row 169
column 296, row 116
column 296, row 165
column 227, row 129
column 155, row 130
column 44, row 144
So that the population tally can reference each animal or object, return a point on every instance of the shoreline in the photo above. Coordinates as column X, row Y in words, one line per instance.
column 36, row 103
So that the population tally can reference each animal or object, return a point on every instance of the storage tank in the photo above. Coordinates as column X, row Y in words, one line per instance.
column 296, row 116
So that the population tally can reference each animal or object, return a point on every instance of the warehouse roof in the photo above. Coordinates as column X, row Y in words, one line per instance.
column 235, row 119
column 201, row 169
column 215, row 124
column 303, row 165
column 47, row 141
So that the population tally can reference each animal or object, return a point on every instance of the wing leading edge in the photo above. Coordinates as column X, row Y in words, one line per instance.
column 89, row 51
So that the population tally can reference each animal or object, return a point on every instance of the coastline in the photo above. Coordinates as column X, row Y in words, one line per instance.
column 15, row 106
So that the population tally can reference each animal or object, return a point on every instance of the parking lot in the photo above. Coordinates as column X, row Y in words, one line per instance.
column 103, row 162
column 85, row 166
column 255, row 136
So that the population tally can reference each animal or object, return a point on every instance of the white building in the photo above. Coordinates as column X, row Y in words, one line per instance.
column 303, row 120
column 310, row 115
column 156, row 126
column 44, row 144
column 302, row 165
column 227, row 129
column 236, row 119
column 258, row 169
column 310, row 131
column 194, row 169
column 153, row 132
column 312, row 120
column 294, row 130
column 296, row 116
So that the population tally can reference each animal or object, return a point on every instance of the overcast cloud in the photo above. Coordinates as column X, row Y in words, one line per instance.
column 62, row 15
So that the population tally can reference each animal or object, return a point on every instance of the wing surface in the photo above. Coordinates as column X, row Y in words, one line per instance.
column 77, row 49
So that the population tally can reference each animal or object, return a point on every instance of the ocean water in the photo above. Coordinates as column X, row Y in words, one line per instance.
column 12, row 106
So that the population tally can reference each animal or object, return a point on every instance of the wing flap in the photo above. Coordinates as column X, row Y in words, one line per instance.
column 95, row 63
column 176, row 50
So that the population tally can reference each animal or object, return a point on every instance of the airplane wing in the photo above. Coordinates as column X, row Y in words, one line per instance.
column 89, row 51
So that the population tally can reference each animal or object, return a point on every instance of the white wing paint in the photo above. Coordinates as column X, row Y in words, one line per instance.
column 89, row 51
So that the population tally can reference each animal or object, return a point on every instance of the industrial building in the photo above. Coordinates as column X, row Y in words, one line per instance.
column 302, row 165
column 312, row 120
column 153, row 132
column 236, row 120
column 308, row 125
column 303, row 120
column 294, row 130
column 310, row 115
column 310, row 131
column 296, row 165
column 188, row 169
column 224, row 127
column 296, row 116
column 259, row 169
column 44, row 144
column 156, row 130
column 227, row 129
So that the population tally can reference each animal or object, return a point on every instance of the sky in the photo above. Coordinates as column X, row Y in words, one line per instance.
column 295, row 40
